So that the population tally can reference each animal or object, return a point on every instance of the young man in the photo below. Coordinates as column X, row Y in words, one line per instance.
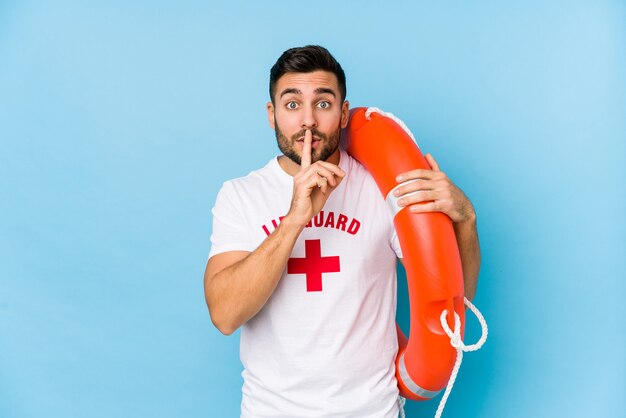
column 304, row 257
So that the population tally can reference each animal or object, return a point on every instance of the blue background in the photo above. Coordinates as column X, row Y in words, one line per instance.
column 119, row 123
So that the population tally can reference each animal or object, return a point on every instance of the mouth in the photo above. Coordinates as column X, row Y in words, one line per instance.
column 314, row 145
column 315, row 139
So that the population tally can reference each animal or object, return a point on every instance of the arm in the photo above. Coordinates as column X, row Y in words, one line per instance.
column 238, row 283
column 469, row 250
column 437, row 193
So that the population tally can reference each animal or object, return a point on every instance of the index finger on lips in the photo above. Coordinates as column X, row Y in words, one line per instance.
column 305, row 161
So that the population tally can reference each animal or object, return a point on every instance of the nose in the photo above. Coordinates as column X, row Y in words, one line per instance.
column 308, row 118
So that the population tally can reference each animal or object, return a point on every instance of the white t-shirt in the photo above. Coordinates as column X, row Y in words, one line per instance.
column 325, row 342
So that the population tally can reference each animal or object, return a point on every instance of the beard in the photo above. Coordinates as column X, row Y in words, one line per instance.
column 329, row 143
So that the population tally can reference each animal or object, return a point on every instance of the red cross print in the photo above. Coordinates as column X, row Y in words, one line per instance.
column 313, row 265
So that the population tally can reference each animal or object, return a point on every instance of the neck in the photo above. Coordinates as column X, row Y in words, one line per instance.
column 292, row 168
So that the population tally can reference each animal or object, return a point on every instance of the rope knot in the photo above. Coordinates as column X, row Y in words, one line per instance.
column 456, row 341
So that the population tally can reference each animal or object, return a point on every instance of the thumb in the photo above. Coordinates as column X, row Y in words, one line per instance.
column 431, row 161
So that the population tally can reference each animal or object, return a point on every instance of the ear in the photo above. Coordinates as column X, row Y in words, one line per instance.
column 270, row 114
column 345, row 113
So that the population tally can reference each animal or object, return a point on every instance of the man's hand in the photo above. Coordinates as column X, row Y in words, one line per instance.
column 312, row 185
column 433, row 191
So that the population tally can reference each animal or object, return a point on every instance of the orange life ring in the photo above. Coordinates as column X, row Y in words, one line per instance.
column 430, row 256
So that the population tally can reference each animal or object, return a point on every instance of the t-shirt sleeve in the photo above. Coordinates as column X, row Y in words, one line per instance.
column 395, row 242
column 230, row 230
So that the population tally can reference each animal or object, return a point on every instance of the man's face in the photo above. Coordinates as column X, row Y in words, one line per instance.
column 308, row 101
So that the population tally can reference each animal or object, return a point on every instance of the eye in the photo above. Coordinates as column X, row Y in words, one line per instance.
column 292, row 105
column 323, row 105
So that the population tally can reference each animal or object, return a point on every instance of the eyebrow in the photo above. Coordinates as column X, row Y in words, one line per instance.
column 323, row 90
column 320, row 90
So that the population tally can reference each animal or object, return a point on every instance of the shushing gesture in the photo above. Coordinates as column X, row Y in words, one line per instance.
column 312, row 185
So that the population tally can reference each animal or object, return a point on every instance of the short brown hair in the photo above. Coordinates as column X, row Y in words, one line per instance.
column 306, row 60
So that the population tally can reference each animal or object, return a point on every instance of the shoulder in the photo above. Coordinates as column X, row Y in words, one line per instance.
column 269, row 180
column 251, row 181
column 361, row 185
column 357, row 172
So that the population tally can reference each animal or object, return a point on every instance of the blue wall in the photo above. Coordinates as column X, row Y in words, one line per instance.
column 119, row 123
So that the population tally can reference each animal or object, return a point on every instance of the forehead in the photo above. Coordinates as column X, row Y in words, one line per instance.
column 307, row 82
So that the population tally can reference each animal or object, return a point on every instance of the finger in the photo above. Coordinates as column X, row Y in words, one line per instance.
column 412, row 186
column 425, row 207
column 315, row 181
column 318, row 171
column 323, row 180
column 322, row 184
column 418, row 197
column 305, row 161
column 416, row 174
column 332, row 167
column 338, row 182
column 431, row 161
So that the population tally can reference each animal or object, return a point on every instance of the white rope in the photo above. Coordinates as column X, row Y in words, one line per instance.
column 455, row 336
column 457, row 342
column 371, row 110
column 401, row 402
